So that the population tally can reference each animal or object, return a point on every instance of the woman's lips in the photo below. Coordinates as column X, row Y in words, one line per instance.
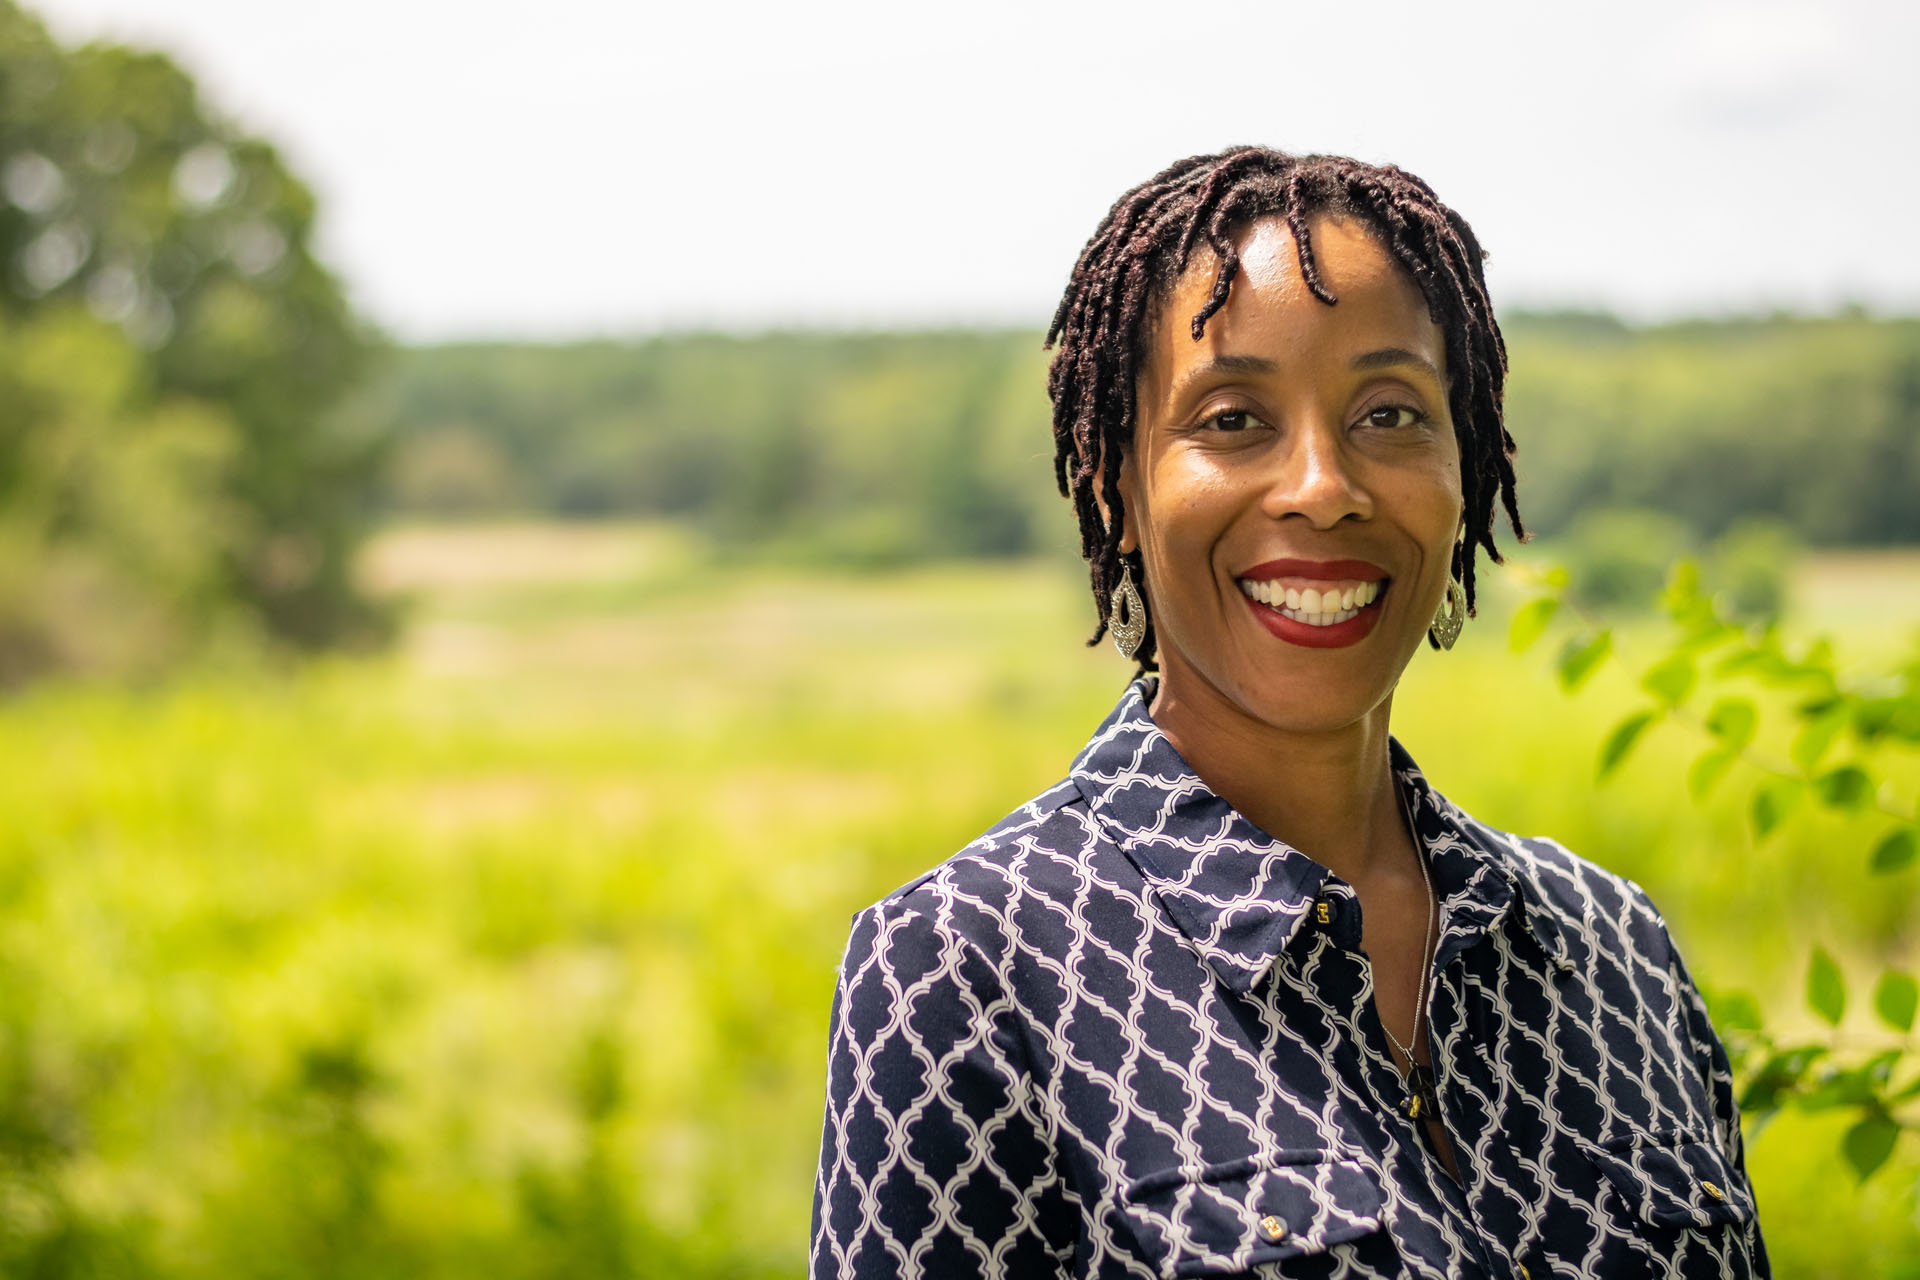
column 1325, row 570
column 1317, row 604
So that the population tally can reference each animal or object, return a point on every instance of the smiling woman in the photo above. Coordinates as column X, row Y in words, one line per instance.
column 1244, row 994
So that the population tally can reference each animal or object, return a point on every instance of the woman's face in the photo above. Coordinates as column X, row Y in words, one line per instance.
column 1294, row 482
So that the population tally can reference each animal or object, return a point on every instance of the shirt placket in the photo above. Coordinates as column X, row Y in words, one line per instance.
column 1337, row 912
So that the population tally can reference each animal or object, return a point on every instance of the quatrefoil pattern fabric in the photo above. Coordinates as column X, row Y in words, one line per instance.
column 1127, row 1033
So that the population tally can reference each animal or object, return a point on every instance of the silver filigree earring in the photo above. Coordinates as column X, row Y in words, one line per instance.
column 1127, row 618
column 1451, row 617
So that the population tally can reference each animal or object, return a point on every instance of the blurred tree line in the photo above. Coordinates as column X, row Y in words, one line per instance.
column 170, row 354
column 845, row 448
column 876, row 448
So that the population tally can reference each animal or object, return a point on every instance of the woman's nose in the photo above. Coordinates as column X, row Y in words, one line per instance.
column 1314, row 477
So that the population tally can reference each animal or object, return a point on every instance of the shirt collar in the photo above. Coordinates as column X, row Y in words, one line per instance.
column 1240, row 895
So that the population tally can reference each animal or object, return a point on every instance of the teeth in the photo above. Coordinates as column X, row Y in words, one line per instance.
column 1315, row 606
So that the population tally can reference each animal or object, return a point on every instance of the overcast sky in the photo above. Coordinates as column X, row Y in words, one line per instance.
column 557, row 168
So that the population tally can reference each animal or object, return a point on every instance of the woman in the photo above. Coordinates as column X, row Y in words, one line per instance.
column 1243, row 994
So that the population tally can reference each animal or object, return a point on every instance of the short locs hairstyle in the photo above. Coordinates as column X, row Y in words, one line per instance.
column 1145, row 243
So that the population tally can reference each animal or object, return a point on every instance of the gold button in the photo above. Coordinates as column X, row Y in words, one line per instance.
column 1713, row 1191
column 1273, row 1229
column 1524, row 1273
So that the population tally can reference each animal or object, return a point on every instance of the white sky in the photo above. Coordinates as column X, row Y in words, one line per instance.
column 559, row 168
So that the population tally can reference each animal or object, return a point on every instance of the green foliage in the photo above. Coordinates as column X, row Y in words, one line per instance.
column 854, row 449
column 1749, row 566
column 1582, row 656
column 1868, row 1144
column 169, row 355
column 1814, row 421
column 1894, row 999
column 1621, row 740
column 1895, row 852
column 1820, row 713
column 1617, row 557
column 1826, row 989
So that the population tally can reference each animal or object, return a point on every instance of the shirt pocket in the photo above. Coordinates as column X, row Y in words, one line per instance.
column 1677, row 1180
column 1227, row 1219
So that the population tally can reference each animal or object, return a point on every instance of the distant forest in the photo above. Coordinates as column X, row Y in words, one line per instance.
column 877, row 448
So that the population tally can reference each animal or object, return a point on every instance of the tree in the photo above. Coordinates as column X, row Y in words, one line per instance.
column 187, row 243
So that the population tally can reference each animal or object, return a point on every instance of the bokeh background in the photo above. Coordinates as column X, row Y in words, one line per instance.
column 516, row 519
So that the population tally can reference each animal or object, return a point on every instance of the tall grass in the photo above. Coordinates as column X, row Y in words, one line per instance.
column 511, row 953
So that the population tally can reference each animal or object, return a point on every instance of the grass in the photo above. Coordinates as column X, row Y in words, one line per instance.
column 510, row 952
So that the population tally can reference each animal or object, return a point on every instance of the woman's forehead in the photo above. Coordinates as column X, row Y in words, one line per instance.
column 1272, row 312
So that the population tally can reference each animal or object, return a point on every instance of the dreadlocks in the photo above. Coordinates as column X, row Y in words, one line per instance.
column 1145, row 243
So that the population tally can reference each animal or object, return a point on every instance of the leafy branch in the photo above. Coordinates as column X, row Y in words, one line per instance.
column 1838, row 731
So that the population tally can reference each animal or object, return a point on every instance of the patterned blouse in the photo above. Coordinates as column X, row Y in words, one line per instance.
column 1128, row 1033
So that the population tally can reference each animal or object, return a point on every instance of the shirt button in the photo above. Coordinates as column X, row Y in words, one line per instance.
column 1713, row 1191
column 1272, row 1230
column 1524, row 1273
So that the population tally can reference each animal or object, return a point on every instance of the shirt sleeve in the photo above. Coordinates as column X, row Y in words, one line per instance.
column 934, row 1160
column 1716, row 1073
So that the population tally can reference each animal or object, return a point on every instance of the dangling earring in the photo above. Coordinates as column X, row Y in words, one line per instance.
column 1451, row 617
column 1127, row 619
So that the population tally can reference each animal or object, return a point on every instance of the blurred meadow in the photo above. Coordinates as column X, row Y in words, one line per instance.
column 510, row 950
column 438, row 776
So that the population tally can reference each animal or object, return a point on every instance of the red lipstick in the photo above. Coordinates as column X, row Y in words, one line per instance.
column 1306, row 635
column 1322, row 570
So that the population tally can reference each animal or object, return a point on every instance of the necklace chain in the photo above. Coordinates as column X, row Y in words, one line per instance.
column 1426, row 942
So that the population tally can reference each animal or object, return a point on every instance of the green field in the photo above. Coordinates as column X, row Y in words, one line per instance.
column 509, row 953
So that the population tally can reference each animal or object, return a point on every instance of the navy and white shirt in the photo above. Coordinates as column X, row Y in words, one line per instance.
column 1128, row 1033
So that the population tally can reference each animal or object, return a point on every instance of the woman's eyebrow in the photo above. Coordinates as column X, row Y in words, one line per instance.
column 1389, row 357
column 1225, row 363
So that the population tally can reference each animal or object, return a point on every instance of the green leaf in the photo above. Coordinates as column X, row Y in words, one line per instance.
column 1815, row 737
column 1773, row 801
column 1706, row 771
column 1895, row 998
column 1894, row 853
column 1781, row 1074
column 1744, row 660
column 1732, row 721
column 1842, row 1087
column 1670, row 679
column 1621, row 740
column 1530, row 623
column 1847, row 787
column 1818, row 656
column 1683, row 587
column 1888, row 716
column 1578, row 661
column 1868, row 1144
column 1826, row 989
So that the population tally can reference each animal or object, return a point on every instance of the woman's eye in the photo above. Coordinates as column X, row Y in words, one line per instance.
column 1232, row 420
column 1392, row 415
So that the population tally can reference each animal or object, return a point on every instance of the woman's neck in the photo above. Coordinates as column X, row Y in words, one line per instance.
column 1328, row 793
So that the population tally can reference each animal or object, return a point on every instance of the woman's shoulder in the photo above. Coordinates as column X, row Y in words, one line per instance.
column 1053, row 824
column 974, row 893
column 1586, row 899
